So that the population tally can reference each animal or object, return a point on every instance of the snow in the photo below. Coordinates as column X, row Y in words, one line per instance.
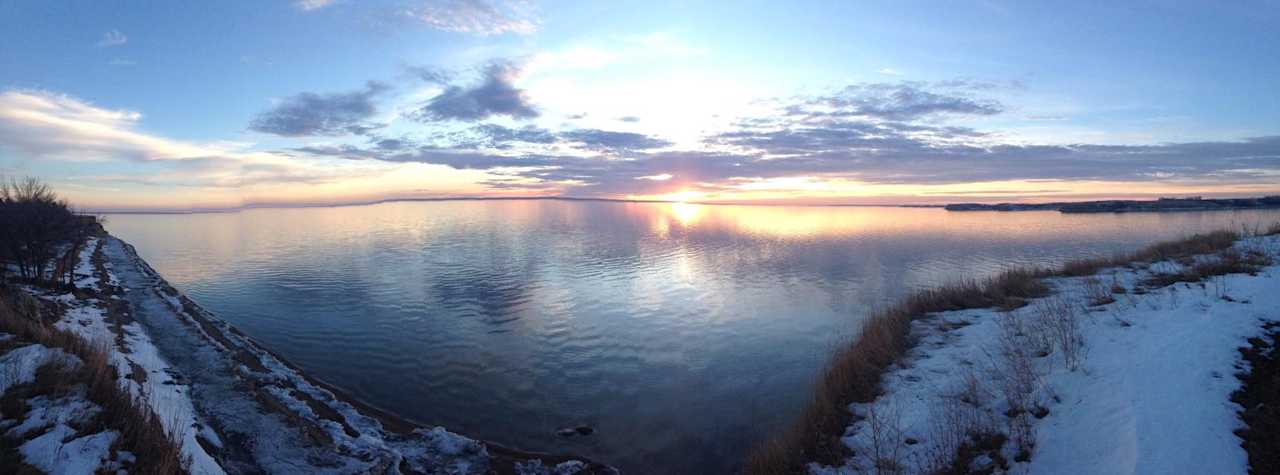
column 19, row 365
column 83, row 272
column 45, row 412
column 82, row 455
column 52, row 443
column 1151, row 393
column 536, row 467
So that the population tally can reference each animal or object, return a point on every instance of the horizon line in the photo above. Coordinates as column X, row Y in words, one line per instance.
column 251, row 206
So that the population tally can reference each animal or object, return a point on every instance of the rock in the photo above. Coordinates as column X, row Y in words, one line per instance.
column 575, row 431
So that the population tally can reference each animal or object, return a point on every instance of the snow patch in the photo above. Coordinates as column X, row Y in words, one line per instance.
column 83, row 272
column 77, row 456
column 19, row 365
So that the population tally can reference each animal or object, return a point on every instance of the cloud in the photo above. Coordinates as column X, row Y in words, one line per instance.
column 309, row 5
column 311, row 114
column 431, row 74
column 870, row 146
column 498, row 137
column 901, row 101
column 112, row 38
column 629, row 118
column 609, row 141
column 889, row 72
column 480, row 17
column 495, row 95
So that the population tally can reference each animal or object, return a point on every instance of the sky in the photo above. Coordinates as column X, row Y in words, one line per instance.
column 177, row 105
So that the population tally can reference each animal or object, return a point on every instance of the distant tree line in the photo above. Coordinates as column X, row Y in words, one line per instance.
column 35, row 225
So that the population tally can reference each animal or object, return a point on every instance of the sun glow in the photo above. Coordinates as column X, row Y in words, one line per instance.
column 686, row 213
column 684, row 196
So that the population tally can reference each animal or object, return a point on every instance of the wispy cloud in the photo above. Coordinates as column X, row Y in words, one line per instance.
column 480, row 17
column 112, row 38
column 309, row 5
column 48, row 126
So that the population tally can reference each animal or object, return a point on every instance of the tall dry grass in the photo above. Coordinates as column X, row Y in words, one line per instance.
column 1196, row 244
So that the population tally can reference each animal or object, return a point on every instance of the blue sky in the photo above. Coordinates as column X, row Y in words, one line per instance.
column 169, row 105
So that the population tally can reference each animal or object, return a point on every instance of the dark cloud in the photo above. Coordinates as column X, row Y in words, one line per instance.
column 495, row 95
column 311, row 114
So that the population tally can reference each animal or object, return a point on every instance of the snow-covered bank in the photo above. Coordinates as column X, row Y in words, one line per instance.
column 1114, row 373
column 230, row 405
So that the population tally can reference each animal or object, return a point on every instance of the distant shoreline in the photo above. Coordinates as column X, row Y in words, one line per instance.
column 1129, row 206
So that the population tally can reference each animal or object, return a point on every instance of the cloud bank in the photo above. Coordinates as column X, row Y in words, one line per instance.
column 877, row 133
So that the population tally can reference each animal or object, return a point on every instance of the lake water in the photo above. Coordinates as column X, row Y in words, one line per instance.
column 682, row 333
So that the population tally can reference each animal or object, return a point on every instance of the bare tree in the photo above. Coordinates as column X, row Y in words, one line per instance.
column 34, row 222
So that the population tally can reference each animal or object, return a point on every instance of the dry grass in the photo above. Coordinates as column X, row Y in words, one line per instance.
column 1184, row 248
column 1230, row 261
column 141, row 430
column 853, row 373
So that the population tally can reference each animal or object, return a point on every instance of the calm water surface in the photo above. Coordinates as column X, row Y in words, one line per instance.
column 682, row 333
